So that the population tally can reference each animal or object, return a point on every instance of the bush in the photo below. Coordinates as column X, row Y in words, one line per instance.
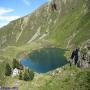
column 8, row 70
column 83, row 80
column 31, row 73
column 28, row 75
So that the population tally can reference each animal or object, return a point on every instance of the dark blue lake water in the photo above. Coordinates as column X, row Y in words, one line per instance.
column 44, row 60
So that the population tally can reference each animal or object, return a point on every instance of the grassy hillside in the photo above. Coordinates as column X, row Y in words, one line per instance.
column 68, row 24
column 66, row 27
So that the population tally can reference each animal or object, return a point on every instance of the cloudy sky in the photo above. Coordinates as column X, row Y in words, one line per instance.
column 13, row 9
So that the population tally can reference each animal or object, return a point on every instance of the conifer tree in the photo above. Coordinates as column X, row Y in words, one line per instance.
column 8, row 70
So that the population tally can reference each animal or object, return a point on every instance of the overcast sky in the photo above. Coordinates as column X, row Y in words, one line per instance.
column 13, row 9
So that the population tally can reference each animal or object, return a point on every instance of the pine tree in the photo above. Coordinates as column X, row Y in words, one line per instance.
column 8, row 70
column 28, row 75
column 16, row 64
column 20, row 76
column 31, row 75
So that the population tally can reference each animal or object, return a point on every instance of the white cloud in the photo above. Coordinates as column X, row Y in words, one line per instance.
column 4, row 17
column 8, row 18
column 26, row 2
column 5, row 10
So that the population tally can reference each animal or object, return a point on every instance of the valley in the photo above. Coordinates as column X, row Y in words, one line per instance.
column 66, row 27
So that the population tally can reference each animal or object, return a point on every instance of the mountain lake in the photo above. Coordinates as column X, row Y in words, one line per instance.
column 44, row 60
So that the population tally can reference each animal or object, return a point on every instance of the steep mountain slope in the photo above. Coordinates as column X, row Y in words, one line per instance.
column 67, row 27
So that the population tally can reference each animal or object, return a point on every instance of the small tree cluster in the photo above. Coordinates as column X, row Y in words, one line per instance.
column 27, row 75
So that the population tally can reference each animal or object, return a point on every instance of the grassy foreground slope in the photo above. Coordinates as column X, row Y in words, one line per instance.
column 67, row 27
